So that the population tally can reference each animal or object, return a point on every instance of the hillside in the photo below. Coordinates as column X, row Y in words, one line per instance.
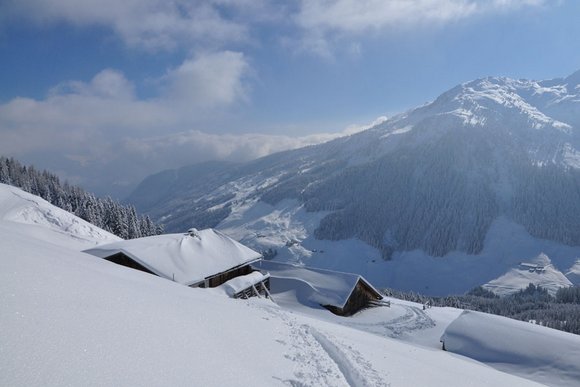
column 69, row 318
column 41, row 220
column 437, row 190
column 538, row 271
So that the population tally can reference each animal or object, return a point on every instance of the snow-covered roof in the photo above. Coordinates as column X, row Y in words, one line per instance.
column 237, row 284
column 186, row 258
column 331, row 287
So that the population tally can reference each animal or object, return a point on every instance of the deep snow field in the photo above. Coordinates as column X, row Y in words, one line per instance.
column 69, row 318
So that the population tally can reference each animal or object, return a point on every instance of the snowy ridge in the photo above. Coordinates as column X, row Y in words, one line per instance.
column 17, row 206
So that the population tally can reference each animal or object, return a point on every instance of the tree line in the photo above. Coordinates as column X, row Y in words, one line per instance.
column 106, row 213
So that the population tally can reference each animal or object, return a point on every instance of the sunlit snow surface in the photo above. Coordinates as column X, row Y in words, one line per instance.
column 550, row 357
column 69, row 318
column 49, row 223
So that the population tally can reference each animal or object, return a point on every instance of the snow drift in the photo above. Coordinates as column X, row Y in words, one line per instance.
column 529, row 350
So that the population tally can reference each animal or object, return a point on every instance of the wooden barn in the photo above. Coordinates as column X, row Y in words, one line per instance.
column 204, row 259
column 341, row 293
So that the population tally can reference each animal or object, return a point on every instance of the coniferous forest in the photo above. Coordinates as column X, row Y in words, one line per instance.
column 106, row 213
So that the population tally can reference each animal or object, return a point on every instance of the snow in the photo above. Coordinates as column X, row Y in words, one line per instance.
column 184, row 258
column 69, row 318
column 573, row 274
column 521, row 348
column 545, row 275
column 236, row 285
column 48, row 222
column 396, row 131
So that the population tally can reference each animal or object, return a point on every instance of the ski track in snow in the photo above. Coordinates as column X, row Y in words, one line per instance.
column 351, row 372
column 322, row 361
column 413, row 319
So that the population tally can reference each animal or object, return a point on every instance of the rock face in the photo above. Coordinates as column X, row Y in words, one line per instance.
column 433, row 179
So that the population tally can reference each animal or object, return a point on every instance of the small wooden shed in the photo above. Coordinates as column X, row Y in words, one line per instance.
column 205, row 258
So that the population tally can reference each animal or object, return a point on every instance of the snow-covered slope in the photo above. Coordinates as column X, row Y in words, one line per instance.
column 48, row 222
column 69, row 318
column 539, row 271
column 574, row 273
column 545, row 355
column 437, row 181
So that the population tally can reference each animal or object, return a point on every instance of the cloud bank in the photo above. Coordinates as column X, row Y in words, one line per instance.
column 103, row 127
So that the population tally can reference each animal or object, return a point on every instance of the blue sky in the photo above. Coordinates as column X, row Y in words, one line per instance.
column 106, row 91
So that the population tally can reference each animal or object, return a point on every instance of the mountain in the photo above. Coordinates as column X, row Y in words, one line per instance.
column 69, row 318
column 432, row 187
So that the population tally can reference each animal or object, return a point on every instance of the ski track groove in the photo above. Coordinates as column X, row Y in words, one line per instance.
column 350, row 371
column 413, row 319
column 320, row 361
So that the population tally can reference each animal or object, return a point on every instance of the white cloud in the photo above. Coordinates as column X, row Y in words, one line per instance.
column 357, row 16
column 192, row 146
column 82, row 116
column 215, row 24
column 325, row 22
column 102, row 125
column 208, row 80
column 150, row 24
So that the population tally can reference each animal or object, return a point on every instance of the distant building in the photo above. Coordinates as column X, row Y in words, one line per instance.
column 533, row 267
column 204, row 259
column 343, row 294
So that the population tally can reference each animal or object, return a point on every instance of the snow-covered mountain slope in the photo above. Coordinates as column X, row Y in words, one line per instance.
column 539, row 271
column 69, row 318
column 436, row 181
column 48, row 222
column 574, row 273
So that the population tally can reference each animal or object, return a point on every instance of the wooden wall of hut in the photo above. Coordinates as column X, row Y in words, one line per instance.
column 360, row 298
column 122, row 259
column 218, row 279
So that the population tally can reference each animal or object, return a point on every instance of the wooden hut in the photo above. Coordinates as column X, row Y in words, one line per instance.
column 341, row 293
column 205, row 258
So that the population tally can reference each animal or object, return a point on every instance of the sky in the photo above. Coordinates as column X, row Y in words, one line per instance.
column 105, row 92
